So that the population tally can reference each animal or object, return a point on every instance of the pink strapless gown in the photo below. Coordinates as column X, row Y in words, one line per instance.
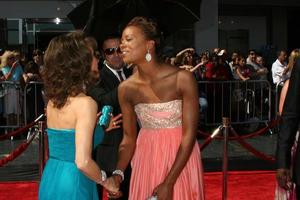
column 157, row 145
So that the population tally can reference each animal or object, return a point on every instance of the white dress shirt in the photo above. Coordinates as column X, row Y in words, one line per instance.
column 277, row 72
column 116, row 73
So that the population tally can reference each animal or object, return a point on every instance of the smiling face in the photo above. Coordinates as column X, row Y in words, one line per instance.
column 252, row 56
column 242, row 62
column 134, row 45
column 112, row 53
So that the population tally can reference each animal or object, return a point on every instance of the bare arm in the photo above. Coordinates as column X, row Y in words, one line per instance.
column 127, row 146
column 196, row 67
column 190, row 110
column 86, row 118
column 240, row 75
column 283, row 95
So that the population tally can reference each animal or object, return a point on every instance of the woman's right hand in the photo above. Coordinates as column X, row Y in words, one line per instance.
column 164, row 191
column 115, row 122
column 112, row 185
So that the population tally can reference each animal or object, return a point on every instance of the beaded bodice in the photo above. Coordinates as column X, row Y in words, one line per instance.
column 160, row 115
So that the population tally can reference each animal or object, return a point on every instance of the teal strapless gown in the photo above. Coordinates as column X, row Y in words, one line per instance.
column 61, row 179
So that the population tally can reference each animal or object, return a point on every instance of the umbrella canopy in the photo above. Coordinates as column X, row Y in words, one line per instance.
column 104, row 17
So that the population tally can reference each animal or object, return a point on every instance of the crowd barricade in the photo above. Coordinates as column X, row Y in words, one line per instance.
column 33, row 100
column 43, row 142
column 226, row 130
column 244, row 102
column 11, row 101
column 20, row 104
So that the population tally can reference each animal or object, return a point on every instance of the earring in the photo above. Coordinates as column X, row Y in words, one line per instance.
column 148, row 56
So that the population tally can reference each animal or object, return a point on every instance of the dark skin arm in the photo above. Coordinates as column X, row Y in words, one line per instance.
column 127, row 146
column 189, row 92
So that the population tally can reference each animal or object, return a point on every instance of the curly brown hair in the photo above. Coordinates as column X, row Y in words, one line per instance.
column 67, row 64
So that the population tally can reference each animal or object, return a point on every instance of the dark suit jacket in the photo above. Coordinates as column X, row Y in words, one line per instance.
column 290, row 124
column 106, row 93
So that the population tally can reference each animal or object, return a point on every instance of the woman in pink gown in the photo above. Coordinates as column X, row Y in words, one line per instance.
column 165, row 157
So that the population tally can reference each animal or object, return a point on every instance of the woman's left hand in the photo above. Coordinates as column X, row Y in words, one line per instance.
column 164, row 191
column 115, row 122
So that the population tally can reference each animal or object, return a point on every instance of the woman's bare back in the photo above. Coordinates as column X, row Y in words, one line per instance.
column 65, row 118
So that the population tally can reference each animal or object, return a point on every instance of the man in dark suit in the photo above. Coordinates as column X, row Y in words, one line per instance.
column 288, row 130
column 105, row 92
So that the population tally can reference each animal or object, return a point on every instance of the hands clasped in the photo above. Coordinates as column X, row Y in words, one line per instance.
column 112, row 185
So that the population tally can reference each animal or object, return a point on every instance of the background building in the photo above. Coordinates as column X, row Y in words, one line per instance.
column 265, row 25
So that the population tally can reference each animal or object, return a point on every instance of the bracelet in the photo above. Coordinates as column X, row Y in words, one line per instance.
column 103, row 175
column 119, row 172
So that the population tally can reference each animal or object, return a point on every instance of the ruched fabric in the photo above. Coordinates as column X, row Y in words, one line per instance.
column 61, row 178
column 157, row 146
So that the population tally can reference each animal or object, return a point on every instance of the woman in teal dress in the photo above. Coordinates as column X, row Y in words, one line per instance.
column 70, row 172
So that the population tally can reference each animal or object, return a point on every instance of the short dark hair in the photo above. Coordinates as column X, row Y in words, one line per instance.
column 239, row 58
column 251, row 50
column 110, row 37
column 31, row 67
column 68, row 61
column 279, row 52
column 37, row 52
column 150, row 29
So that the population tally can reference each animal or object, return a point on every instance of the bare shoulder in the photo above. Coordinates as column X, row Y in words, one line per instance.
column 83, row 102
column 127, row 85
column 127, row 88
column 185, row 76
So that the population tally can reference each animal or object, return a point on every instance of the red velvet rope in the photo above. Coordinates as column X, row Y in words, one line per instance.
column 19, row 150
column 271, row 124
column 211, row 137
column 21, row 130
column 251, row 149
column 205, row 143
column 17, row 132
column 246, row 145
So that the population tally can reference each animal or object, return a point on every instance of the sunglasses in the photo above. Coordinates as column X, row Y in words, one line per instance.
column 111, row 51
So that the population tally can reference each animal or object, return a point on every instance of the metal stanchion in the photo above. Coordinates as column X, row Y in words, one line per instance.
column 225, row 156
column 42, row 126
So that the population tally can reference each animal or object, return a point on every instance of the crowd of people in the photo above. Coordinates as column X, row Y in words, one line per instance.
column 154, row 121
column 15, row 73
column 215, row 65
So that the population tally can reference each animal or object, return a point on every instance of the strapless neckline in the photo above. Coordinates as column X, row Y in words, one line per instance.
column 61, row 129
column 159, row 115
column 158, row 103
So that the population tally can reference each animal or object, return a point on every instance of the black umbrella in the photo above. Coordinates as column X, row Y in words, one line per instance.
column 105, row 17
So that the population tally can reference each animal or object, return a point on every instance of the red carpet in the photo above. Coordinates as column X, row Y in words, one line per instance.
column 18, row 191
column 249, row 185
